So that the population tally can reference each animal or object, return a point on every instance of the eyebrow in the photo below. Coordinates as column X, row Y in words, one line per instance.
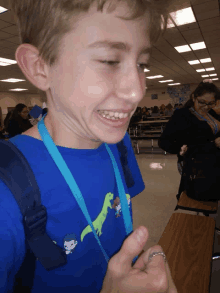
column 125, row 47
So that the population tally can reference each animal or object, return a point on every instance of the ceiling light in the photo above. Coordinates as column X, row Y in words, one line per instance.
column 193, row 62
column 12, row 80
column 214, row 74
column 184, row 48
column 200, row 70
column 205, row 60
column 18, row 90
column 173, row 83
column 2, row 9
column 146, row 70
column 205, row 75
column 198, row 46
column 214, row 78
column 8, row 61
column 166, row 80
column 183, row 16
column 156, row 76
column 210, row 69
column 4, row 64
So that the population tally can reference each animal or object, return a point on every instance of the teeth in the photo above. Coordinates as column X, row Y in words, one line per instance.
column 113, row 115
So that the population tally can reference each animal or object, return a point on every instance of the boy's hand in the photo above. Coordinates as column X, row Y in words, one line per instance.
column 144, row 276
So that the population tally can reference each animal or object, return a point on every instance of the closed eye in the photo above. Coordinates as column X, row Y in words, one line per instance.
column 144, row 66
column 111, row 63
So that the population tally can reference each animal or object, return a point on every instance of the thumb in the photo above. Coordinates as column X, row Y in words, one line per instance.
column 132, row 246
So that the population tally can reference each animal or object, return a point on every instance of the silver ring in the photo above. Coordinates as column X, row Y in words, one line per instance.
column 157, row 253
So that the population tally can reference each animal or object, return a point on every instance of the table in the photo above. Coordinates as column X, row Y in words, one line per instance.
column 187, row 242
column 149, row 123
column 159, row 117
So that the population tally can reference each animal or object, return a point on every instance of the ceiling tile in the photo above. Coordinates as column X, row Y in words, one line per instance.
column 8, row 16
column 15, row 40
column 210, row 41
column 189, row 56
column 7, row 44
column 158, row 55
column 174, row 38
column 205, row 7
column 201, row 54
column 12, row 29
column 4, row 24
column 4, row 35
column 208, row 22
column 193, row 36
column 189, row 26
column 211, row 28
column 207, row 15
column 212, row 34
column 4, row 3
column 194, row 2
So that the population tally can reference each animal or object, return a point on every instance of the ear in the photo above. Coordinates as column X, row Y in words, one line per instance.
column 33, row 67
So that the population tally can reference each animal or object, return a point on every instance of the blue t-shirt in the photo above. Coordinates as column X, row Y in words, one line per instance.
column 66, row 225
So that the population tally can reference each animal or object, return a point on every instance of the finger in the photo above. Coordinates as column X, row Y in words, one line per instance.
column 156, row 267
column 157, row 261
column 121, row 263
column 153, row 275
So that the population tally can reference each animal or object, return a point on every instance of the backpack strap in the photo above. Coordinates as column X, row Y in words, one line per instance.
column 17, row 175
column 124, row 162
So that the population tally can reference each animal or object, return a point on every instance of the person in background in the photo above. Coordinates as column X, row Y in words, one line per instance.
column 19, row 120
column 196, row 124
column 6, row 120
column 169, row 110
column 145, row 114
column 162, row 109
column 1, row 132
column 155, row 112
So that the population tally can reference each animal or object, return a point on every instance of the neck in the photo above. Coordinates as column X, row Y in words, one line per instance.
column 63, row 134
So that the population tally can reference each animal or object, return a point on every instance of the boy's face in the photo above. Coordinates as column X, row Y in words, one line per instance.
column 81, row 83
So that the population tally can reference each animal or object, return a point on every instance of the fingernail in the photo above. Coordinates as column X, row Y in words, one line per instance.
column 140, row 234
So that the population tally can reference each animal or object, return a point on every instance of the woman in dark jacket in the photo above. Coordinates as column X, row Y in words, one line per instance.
column 18, row 122
column 194, row 127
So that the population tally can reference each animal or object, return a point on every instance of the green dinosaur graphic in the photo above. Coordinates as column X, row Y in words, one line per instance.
column 98, row 223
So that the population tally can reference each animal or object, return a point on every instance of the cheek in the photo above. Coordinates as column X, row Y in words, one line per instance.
column 94, row 89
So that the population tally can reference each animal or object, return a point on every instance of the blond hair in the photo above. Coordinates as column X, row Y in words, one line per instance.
column 43, row 23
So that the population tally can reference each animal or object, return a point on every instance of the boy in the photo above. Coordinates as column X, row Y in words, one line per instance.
column 90, row 62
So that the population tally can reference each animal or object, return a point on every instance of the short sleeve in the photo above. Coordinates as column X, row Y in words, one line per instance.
column 138, row 186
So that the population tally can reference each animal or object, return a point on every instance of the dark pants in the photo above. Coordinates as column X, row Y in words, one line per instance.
column 181, row 188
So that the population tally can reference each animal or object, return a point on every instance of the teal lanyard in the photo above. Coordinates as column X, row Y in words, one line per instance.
column 61, row 164
column 214, row 124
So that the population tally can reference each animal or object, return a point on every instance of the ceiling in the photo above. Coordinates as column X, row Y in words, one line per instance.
column 165, row 59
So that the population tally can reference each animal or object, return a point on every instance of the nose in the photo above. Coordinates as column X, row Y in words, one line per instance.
column 131, row 85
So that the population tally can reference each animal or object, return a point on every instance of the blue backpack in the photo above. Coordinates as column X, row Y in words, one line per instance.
column 18, row 176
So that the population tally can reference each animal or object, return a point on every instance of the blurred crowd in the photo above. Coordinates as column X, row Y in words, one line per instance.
column 142, row 114
column 17, row 121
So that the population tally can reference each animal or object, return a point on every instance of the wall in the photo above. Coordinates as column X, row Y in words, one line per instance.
column 163, row 98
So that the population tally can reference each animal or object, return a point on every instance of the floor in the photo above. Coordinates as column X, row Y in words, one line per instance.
column 155, row 205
